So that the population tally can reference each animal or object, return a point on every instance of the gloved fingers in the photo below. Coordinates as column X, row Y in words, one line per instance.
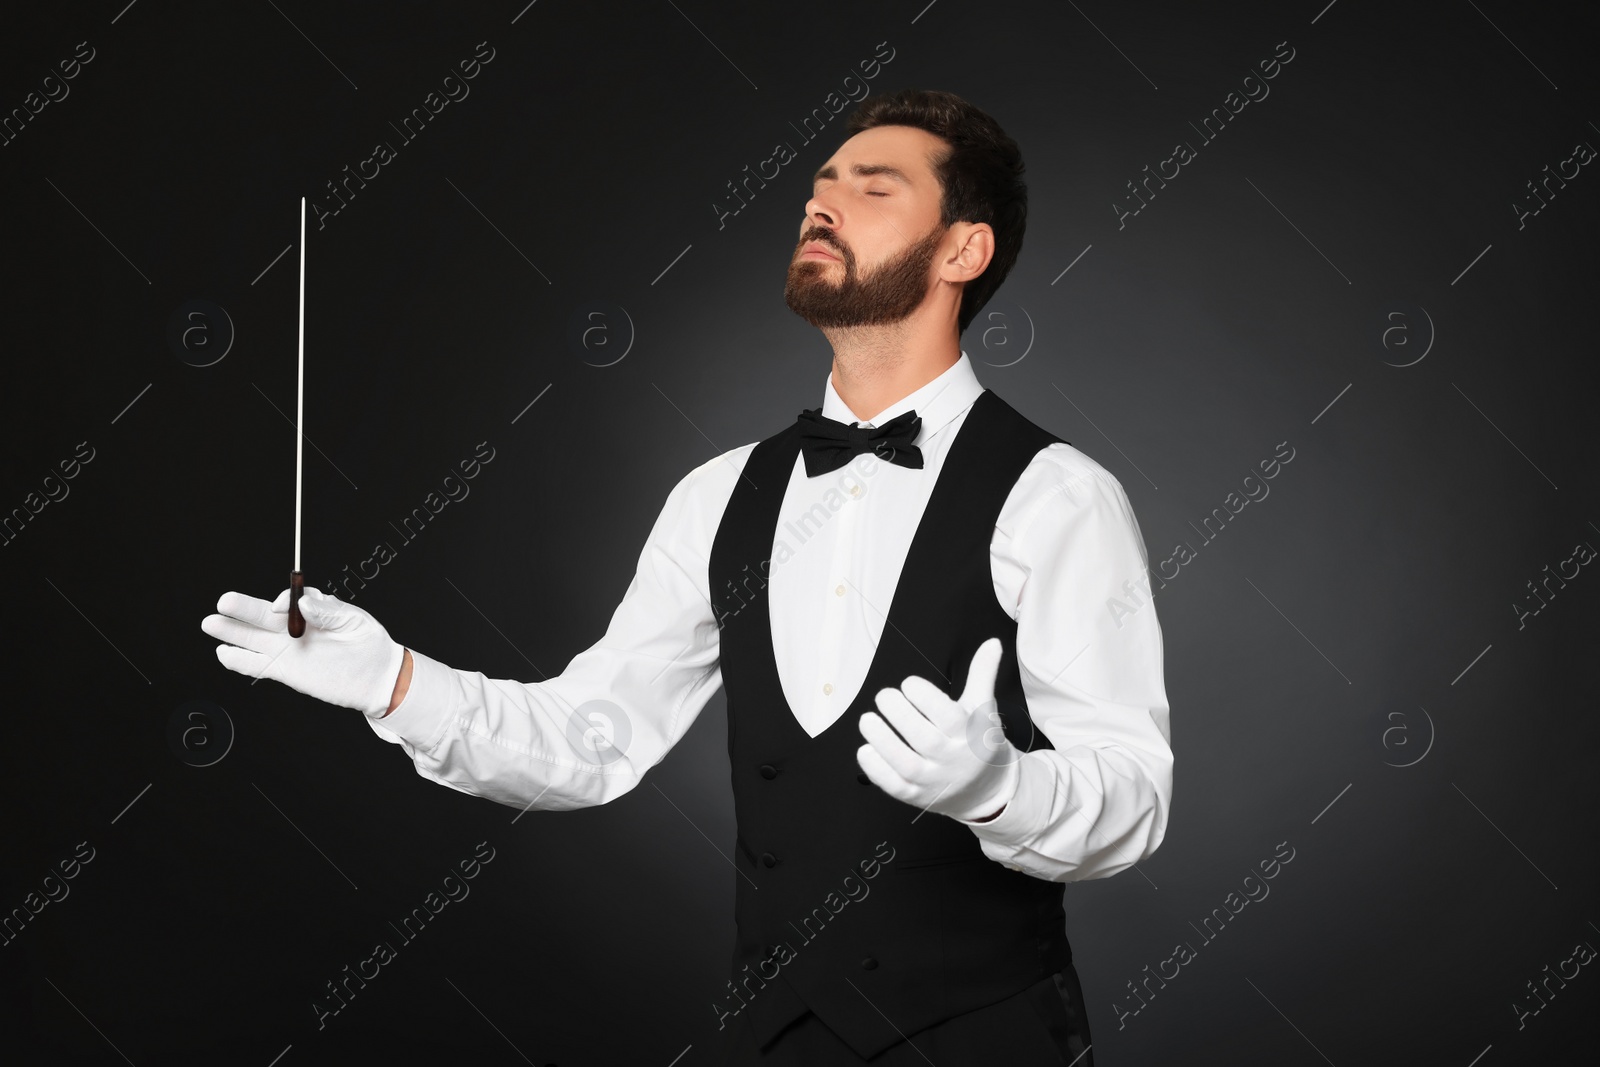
column 948, row 713
column 906, row 716
column 280, row 603
column 935, row 706
column 243, row 634
column 251, row 664
column 883, row 776
column 251, row 609
column 905, row 762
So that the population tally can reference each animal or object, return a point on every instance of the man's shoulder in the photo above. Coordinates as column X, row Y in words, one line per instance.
column 711, row 483
column 1060, row 463
column 709, row 486
column 694, row 506
column 1060, row 475
column 1056, row 462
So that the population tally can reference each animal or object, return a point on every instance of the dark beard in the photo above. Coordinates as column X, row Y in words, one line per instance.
column 889, row 294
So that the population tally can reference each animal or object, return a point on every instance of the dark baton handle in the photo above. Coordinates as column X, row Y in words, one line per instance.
column 297, row 621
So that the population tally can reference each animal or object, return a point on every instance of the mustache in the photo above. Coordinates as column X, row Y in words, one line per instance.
column 821, row 237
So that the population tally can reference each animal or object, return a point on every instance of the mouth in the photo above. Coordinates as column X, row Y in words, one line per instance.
column 814, row 250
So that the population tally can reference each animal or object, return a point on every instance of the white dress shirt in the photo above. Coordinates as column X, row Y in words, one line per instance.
column 1068, row 563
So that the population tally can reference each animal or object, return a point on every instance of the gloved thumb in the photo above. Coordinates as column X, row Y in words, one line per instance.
column 327, row 612
column 985, row 667
column 320, row 608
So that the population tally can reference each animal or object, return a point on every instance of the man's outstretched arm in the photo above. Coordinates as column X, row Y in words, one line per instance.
column 580, row 738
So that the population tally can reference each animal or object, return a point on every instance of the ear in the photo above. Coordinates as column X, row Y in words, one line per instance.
column 973, row 248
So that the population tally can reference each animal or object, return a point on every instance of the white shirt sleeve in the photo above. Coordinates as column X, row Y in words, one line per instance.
column 587, row 735
column 1069, row 558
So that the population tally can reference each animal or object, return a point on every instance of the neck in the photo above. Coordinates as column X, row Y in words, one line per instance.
column 874, row 366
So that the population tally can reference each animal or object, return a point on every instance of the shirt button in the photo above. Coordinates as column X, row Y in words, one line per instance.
column 827, row 688
column 769, row 859
column 855, row 490
column 838, row 590
column 768, row 771
column 869, row 964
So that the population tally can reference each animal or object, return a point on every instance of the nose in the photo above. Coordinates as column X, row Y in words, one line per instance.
column 822, row 209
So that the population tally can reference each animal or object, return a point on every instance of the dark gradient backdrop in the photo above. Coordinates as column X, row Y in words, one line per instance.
column 1351, row 265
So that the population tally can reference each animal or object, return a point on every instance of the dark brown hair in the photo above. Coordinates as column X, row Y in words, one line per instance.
column 980, row 175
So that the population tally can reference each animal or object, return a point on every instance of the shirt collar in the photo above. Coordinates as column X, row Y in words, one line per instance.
column 936, row 403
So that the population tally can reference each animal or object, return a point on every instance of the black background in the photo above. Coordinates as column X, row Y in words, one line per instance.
column 1344, row 662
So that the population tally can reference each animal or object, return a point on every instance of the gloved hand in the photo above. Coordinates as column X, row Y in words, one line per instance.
column 956, row 759
column 345, row 657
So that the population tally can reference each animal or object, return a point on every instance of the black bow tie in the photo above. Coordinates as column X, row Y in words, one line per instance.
column 828, row 444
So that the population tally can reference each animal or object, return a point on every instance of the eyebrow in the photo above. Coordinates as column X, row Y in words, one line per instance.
column 863, row 170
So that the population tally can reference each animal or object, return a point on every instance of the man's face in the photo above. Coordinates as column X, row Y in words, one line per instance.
column 874, row 210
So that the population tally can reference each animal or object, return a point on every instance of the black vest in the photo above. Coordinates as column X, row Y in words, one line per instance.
column 881, row 918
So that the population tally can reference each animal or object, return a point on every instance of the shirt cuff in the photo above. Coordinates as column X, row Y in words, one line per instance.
column 1004, row 835
column 424, row 710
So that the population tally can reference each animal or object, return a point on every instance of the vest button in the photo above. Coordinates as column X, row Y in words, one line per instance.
column 861, row 776
column 769, row 859
column 869, row 964
column 768, row 771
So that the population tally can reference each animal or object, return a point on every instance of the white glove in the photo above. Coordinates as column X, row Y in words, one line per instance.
column 344, row 657
column 955, row 759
